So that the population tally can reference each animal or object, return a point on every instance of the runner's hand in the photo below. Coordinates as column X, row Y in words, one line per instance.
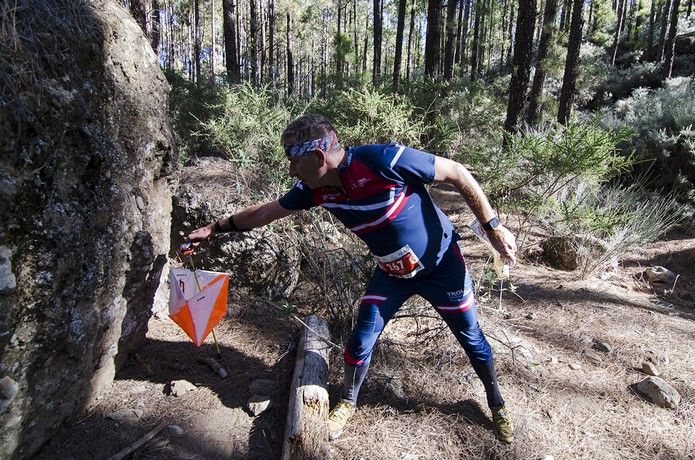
column 505, row 243
column 201, row 234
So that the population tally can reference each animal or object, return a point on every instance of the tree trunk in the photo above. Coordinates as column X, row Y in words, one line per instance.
column 533, row 113
column 521, row 63
column 408, row 62
column 571, row 64
column 464, row 32
column 271, row 43
column 197, row 38
column 450, row 39
column 156, row 27
column 290, row 61
column 671, row 41
column 253, row 41
column 432, row 38
column 399, row 45
column 474, row 45
column 376, row 63
column 233, row 74
column 306, row 431
column 563, row 14
column 618, row 28
column 511, row 38
column 665, row 18
column 214, row 44
column 138, row 9
column 459, row 29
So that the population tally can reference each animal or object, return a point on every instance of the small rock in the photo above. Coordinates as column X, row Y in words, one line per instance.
column 124, row 415
column 575, row 366
column 554, row 360
column 659, row 274
column 8, row 282
column 138, row 413
column 258, row 404
column 658, row 391
column 530, row 315
column 602, row 346
column 8, row 388
column 174, row 430
column 650, row 369
column 263, row 387
column 547, row 457
column 180, row 387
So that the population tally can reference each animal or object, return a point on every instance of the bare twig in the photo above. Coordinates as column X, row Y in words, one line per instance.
column 123, row 453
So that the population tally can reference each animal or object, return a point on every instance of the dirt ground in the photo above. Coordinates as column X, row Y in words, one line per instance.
column 422, row 399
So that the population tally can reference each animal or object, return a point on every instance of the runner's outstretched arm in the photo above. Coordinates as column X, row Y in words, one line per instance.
column 252, row 217
column 456, row 174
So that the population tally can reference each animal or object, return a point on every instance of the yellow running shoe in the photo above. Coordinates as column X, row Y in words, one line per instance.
column 339, row 417
column 504, row 430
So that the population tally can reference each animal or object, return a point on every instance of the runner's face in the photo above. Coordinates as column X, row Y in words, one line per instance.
column 308, row 168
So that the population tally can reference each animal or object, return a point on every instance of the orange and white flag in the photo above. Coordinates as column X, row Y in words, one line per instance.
column 197, row 305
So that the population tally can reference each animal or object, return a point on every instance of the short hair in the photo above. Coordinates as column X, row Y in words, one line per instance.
column 307, row 128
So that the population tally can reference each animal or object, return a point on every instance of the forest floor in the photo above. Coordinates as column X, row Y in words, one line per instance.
column 422, row 399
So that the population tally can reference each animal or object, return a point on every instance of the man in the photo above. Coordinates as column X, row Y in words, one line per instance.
column 378, row 192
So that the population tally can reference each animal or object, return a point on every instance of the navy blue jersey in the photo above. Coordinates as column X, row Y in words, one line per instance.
column 383, row 200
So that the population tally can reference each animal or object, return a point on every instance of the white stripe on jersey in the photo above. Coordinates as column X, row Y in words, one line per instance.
column 364, row 207
column 390, row 211
column 397, row 156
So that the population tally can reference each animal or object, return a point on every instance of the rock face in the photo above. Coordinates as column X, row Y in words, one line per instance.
column 86, row 163
column 259, row 261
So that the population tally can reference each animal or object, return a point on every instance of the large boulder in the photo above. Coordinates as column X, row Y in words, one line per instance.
column 86, row 163
column 260, row 261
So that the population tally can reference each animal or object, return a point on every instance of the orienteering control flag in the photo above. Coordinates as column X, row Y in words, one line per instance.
column 195, row 310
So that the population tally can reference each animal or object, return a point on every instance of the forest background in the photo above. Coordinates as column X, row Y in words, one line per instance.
column 574, row 115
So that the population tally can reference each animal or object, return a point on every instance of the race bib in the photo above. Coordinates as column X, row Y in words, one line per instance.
column 401, row 264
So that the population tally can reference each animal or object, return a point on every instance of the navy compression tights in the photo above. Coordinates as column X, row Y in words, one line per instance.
column 450, row 290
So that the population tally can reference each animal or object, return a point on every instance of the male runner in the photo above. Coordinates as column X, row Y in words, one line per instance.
column 378, row 192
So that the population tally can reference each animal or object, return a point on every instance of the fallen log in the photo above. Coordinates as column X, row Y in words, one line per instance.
column 306, row 432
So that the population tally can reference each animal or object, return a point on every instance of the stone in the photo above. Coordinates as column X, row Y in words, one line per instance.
column 124, row 415
column 553, row 360
column 8, row 282
column 8, row 388
column 530, row 315
column 263, row 387
column 173, row 431
column 180, row 387
column 80, row 139
column 258, row 404
column 659, row 274
column 547, row 457
column 650, row 369
column 602, row 346
column 659, row 392
column 575, row 366
column 259, row 261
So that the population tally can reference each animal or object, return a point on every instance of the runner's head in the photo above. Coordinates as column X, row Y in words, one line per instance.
column 311, row 145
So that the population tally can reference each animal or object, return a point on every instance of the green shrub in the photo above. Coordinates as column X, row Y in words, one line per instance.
column 540, row 169
column 189, row 105
column 368, row 116
column 606, row 223
column 246, row 128
column 473, row 118
column 664, row 141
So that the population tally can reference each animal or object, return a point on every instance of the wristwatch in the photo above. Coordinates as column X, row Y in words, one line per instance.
column 492, row 224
